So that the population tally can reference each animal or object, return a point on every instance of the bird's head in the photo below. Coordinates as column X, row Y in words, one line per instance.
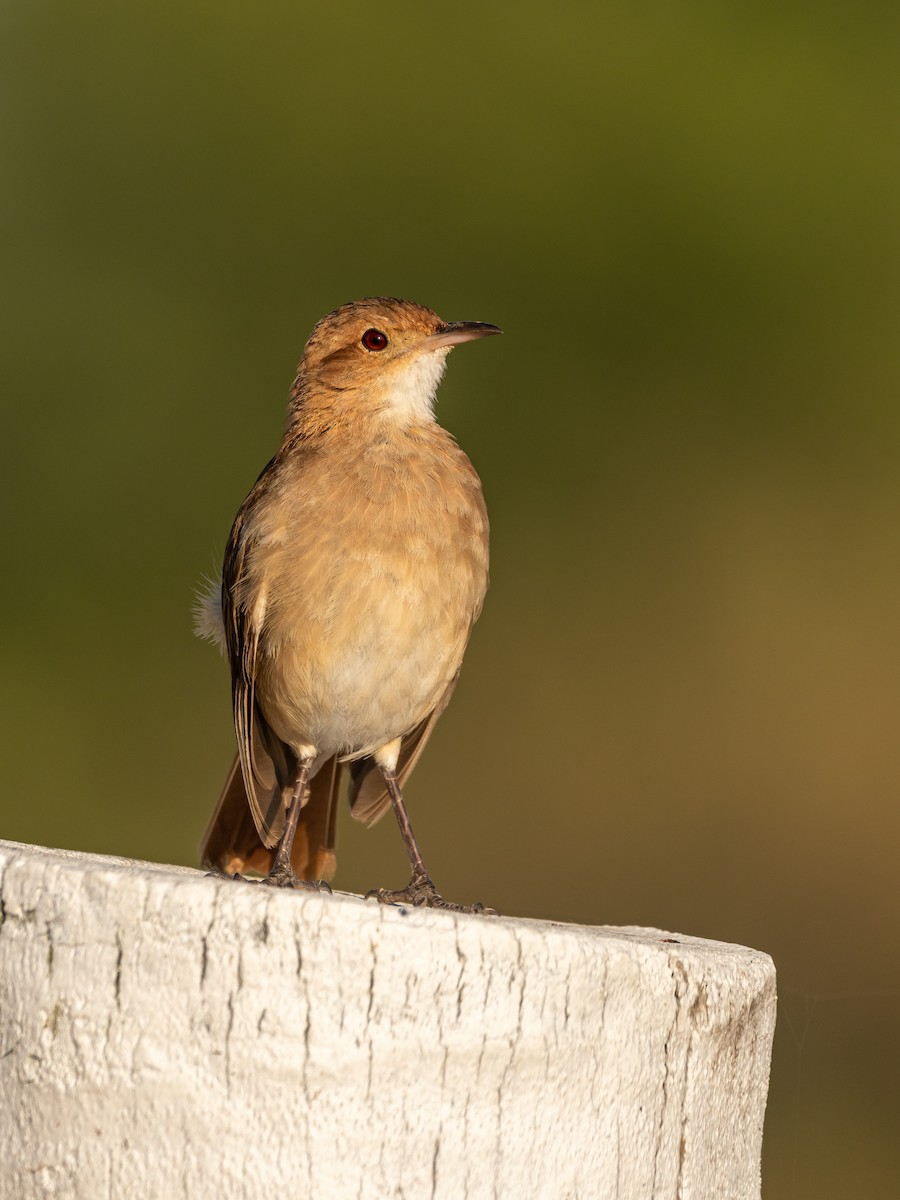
column 379, row 355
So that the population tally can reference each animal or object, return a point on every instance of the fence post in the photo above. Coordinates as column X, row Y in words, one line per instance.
column 166, row 1035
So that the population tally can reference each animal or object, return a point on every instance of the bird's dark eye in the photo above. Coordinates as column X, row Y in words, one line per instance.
column 374, row 339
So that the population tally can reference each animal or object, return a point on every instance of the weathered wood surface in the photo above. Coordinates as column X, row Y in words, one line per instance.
column 168, row 1035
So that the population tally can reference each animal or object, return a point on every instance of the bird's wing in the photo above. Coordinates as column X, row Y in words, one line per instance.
column 369, row 799
column 263, row 757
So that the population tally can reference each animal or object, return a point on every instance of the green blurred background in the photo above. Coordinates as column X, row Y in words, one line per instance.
column 680, row 707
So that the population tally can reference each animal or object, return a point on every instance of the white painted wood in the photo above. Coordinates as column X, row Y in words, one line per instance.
column 167, row 1035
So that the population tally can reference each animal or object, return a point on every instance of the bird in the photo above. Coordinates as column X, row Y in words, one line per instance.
column 353, row 574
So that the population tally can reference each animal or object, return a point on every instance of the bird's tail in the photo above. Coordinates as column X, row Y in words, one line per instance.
column 233, row 845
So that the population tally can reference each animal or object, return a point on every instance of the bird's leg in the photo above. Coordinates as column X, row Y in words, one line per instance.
column 420, row 891
column 282, row 873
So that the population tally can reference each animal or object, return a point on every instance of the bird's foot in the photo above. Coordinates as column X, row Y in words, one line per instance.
column 285, row 877
column 218, row 873
column 420, row 892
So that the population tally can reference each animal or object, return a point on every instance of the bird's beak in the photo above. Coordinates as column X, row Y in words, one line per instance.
column 454, row 332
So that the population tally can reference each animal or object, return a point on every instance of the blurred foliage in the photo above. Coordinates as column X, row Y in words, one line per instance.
column 681, row 705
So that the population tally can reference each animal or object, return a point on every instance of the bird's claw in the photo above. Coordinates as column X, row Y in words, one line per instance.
column 420, row 892
column 285, row 877
column 276, row 878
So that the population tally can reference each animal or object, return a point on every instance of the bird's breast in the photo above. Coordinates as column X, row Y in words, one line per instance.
column 374, row 571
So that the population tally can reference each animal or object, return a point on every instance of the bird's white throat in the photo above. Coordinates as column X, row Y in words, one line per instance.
column 414, row 387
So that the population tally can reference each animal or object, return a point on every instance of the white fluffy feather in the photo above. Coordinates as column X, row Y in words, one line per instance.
column 208, row 622
column 412, row 396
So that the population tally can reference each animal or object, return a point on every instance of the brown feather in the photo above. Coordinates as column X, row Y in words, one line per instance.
column 257, row 750
column 232, row 843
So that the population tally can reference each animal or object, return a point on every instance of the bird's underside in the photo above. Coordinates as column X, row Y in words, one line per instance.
column 234, row 845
